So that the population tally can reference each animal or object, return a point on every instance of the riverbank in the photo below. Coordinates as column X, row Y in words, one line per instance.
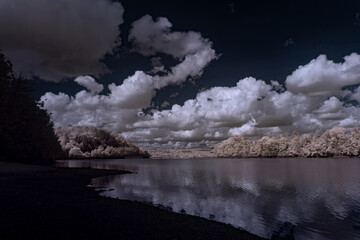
column 39, row 202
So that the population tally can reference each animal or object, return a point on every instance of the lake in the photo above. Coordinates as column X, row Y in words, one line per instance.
column 307, row 198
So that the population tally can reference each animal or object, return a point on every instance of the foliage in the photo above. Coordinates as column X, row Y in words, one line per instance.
column 333, row 142
column 26, row 132
column 92, row 142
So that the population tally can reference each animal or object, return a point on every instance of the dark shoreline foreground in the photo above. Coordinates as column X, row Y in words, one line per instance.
column 38, row 202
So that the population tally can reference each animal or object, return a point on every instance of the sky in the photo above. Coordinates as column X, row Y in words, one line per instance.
column 174, row 74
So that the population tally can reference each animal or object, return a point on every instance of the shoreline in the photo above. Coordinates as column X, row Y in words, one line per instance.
column 193, row 153
column 42, row 202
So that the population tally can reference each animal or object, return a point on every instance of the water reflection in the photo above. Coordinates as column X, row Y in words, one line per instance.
column 309, row 198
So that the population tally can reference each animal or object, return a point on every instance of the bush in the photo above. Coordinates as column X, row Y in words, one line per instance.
column 92, row 142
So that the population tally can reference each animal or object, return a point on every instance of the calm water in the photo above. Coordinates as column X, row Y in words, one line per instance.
column 309, row 198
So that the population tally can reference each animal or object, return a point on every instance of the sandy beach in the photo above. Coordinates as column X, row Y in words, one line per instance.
column 39, row 202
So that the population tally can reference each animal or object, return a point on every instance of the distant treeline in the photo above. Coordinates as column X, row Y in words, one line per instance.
column 92, row 142
column 332, row 142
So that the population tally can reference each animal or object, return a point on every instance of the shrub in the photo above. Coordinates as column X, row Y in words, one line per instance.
column 92, row 142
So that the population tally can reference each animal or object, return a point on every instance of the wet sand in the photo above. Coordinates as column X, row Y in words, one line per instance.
column 39, row 202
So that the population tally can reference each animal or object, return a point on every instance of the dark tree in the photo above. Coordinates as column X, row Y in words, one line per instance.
column 26, row 132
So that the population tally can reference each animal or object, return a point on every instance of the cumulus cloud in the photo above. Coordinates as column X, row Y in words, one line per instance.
column 53, row 39
column 324, row 77
column 89, row 83
column 256, row 108
column 135, row 92
column 122, row 107
column 150, row 37
column 252, row 107
column 331, row 109
column 158, row 67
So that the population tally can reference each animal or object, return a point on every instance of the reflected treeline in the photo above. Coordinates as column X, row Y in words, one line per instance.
column 107, row 164
column 307, row 198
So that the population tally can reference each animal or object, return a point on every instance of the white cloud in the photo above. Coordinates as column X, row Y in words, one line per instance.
column 252, row 107
column 331, row 109
column 135, row 92
column 53, row 39
column 194, row 52
column 90, row 84
column 324, row 77
column 121, row 109
column 150, row 37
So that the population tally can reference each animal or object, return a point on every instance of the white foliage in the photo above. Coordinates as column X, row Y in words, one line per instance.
column 333, row 142
column 92, row 142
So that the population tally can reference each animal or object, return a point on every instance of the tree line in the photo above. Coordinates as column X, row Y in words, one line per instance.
column 26, row 132
column 333, row 142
